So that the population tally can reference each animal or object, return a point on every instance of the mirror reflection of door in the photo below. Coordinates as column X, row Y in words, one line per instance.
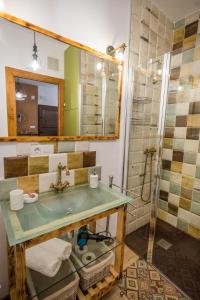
column 36, row 107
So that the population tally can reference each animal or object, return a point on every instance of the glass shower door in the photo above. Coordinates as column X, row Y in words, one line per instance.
column 144, row 147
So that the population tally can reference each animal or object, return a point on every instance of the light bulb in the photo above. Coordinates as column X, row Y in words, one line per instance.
column 119, row 55
column 1, row 5
column 19, row 95
column 35, row 65
column 99, row 66
column 159, row 71
column 180, row 88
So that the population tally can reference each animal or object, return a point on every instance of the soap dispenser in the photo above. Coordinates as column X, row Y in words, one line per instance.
column 94, row 180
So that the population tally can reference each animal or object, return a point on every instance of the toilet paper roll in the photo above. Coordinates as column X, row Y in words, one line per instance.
column 88, row 258
column 16, row 199
column 78, row 251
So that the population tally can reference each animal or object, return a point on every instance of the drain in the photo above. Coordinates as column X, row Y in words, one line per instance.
column 164, row 244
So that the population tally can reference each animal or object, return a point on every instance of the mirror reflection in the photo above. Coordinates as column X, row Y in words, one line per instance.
column 87, row 105
column 36, row 107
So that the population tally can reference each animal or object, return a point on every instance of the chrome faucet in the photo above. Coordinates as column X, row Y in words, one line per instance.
column 59, row 186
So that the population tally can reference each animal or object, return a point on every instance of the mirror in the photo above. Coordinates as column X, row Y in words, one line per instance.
column 50, row 88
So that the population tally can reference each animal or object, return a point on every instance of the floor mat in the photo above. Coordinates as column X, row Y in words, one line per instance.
column 144, row 282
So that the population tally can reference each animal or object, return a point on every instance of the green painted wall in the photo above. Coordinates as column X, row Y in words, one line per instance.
column 71, row 73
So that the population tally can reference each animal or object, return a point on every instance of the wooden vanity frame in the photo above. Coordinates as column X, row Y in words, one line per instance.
column 16, row 254
column 66, row 40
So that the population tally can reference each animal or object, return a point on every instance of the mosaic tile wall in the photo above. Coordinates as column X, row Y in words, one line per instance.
column 151, row 36
column 36, row 172
column 180, row 176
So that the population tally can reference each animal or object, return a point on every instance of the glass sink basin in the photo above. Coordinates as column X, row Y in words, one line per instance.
column 52, row 206
column 56, row 210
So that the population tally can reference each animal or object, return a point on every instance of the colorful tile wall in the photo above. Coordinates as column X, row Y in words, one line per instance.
column 182, row 138
column 36, row 173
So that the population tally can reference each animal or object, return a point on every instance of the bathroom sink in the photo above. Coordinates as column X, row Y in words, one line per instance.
column 55, row 210
column 52, row 206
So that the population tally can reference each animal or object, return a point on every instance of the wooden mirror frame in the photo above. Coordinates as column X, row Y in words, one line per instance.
column 11, row 75
column 12, row 109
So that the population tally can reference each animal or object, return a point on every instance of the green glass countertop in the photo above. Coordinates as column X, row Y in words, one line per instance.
column 53, row 211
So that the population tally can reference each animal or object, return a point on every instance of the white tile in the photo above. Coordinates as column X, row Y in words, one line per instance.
column 55, row 159
column 1, row 168
column 70, row 178
column 171, row 219
column 183, row 214
column 131, row 227
column 39, row 149
column 180, row 132
column 64, row 147
column 47, row 149
column 188, row 169
column 176, row 60
column 167, row 154
column 176, row 178
column 82, row 146
column 36, row 149
column 8, row 149
column 194, row 220
column 182, row 109
column 23, row 148
column 45, row 181
column 164, row 185
column 198, row 159
column 191, row 146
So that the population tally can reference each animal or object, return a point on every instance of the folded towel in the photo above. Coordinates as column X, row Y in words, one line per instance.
column 40, row 260
column 60, row 248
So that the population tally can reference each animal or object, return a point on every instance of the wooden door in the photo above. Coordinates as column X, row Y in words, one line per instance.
column 48, row 120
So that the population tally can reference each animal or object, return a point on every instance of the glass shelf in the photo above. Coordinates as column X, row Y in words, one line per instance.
column 40, row 286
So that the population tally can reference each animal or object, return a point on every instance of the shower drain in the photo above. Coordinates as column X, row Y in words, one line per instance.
column 164, row 244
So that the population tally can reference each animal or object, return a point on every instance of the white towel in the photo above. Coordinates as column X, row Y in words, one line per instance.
column 60, row 248
column 40, row 260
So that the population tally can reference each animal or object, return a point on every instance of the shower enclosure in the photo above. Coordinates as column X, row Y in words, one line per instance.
column 162, row 173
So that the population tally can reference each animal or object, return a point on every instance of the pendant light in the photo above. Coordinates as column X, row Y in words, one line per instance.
column 35, row 64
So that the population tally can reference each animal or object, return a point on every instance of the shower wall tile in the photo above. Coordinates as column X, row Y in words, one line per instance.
column 188, row 56
column 191, row 29
column 180, row 205
column 182, row 225
column 194, row 231
column 175, row 188
column 174, row 199
column 179, row 23
column 189, row 42
column 195, row 208
column 185, row 204
column 190, row 158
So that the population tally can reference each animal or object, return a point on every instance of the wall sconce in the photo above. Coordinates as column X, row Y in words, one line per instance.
column 35, row 64
column 117, row 52
column 2, row 4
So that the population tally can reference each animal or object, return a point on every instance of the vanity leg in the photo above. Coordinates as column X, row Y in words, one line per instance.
column 119, row 251
column 11, row 271
column 20, row 269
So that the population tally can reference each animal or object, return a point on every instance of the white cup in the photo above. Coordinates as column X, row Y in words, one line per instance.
column 16, row 199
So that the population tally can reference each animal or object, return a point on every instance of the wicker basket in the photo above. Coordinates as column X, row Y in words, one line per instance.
column 63, row 286
column 92, row 273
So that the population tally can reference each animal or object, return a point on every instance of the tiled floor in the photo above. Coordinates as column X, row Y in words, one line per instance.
column 180, row 263
column 143, row 282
